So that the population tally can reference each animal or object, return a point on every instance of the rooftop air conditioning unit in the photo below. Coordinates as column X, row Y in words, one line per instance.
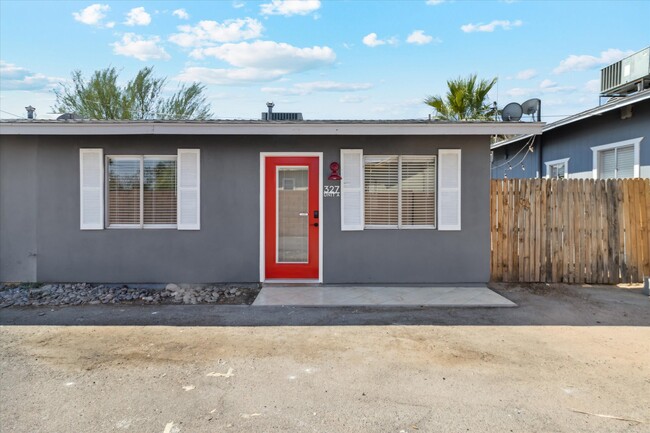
column 627, row 75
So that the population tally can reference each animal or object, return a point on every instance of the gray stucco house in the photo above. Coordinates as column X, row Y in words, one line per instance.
column 237, row 201
column 608, row 141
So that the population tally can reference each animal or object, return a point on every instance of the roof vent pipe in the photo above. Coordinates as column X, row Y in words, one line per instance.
column 30, row 112
column 270, row 106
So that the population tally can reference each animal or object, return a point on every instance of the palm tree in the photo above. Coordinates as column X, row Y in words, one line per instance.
column 466, row 99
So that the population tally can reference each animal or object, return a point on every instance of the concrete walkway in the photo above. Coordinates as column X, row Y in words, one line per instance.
column 432, row 296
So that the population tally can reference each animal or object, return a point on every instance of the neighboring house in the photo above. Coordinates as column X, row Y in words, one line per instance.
column 609, row 141
column 246, row 201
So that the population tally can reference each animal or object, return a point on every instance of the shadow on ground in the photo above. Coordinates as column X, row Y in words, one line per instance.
column 539, row 305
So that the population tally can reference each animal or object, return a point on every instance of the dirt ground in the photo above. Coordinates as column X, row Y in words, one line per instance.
column 455, row 377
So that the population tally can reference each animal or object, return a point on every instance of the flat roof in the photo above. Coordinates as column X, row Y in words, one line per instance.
column 262, row 127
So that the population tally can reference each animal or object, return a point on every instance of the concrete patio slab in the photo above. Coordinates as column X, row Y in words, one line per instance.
column 352, row 295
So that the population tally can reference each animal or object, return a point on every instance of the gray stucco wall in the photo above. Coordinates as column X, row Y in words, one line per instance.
column 575, row 141
column 18, row 209
column 226, row 249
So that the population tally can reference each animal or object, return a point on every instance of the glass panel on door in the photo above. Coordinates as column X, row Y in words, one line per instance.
column 292, row 214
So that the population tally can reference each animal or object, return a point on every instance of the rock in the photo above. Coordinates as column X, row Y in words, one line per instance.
column 171, row 287
column 95, row 302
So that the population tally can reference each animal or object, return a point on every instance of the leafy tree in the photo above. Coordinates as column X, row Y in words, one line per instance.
column 142, row 98
column 466, row 99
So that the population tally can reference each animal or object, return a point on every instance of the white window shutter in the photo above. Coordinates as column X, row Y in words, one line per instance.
column 449, row 189
column 189, row 189
column 91, row 189
column 351, row 189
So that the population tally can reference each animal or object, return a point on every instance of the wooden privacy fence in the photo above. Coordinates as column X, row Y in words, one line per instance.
column 571, row 231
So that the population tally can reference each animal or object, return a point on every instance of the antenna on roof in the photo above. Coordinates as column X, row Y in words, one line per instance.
column 512, row 112
column 531, row 107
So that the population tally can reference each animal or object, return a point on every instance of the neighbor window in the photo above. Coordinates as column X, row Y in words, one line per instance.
column 141, row 191
column 617, row 160
column 616, row 163
column 399, row 191
column 558, row 169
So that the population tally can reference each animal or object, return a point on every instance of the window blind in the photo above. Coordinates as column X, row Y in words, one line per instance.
column 159, row 191
column 141, row 191
column 124, row 186
column 381, row 191
column 625, row 162
column 418, row 186
column 607, row 168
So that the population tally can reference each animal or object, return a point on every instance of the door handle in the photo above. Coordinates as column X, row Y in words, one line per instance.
column 315, row 224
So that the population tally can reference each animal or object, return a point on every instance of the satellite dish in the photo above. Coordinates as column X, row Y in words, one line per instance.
column 531, row 107
column 511, row 112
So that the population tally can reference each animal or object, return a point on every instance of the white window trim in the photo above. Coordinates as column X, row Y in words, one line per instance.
column 140, row 226
column 636, row 142
column 564, row 161
column 399, row 225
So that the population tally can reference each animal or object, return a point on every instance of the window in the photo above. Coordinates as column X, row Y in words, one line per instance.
column 134, row 191
column 141, row 191
column 617, row 160
column 558, row 169
column 399, row 191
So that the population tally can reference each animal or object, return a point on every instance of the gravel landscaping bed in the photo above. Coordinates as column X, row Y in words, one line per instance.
column 23, row 295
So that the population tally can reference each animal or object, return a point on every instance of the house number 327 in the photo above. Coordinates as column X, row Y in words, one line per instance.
column 332, row 191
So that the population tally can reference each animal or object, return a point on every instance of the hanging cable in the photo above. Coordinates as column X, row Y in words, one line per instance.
column 529, row 145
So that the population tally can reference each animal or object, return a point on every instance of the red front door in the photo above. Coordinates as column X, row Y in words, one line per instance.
column 292, row 217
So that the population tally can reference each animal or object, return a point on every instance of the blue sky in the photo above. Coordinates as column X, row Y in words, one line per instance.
column 327, row 59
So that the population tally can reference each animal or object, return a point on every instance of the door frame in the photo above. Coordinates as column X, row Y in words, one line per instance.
column 321, row 214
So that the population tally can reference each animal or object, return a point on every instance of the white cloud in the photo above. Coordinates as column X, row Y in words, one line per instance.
column 137, row 17
column 372, row 40
column 229, row 76
column 519, row 91
column 317, row 86
column 133, row 45
column 14, row 77
column 181, row 14
column 593, row 86
column 526, row 74
column 545, row 87
column 259, row 61
column 547, row 84
column 238, row 4
column 420, row 38
column 492, row 26
column 92, row 15
column 211, row 32
column 353, row 99
column 289, row 7
column 435, row 2
column 583, row 62
column 269, row 55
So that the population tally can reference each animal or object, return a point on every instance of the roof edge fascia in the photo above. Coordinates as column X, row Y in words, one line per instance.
column 270, row 128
